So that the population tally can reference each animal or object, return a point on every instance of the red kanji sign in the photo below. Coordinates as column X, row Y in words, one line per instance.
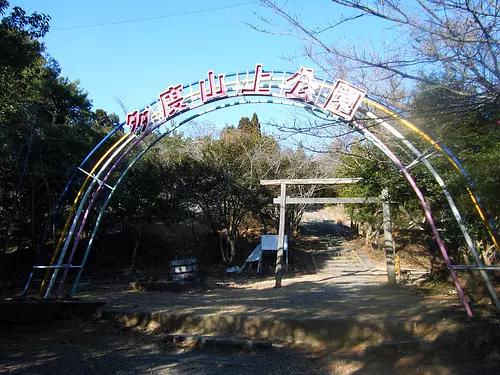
column 172, row 101
column 132, row 120
column 212, row 92
column 143, row 120
column 301, row 85
column 138, row 120
column 344, row 100
column 256, row 89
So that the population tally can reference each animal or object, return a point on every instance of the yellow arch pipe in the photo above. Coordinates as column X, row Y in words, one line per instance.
column 408, row 124
column 73, row 208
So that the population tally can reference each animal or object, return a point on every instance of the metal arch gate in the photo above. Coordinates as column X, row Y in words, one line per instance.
column 301, row 89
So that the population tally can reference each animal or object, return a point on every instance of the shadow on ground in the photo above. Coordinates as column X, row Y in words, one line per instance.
column 326, row 297
column 90, row 347
column 99, row 347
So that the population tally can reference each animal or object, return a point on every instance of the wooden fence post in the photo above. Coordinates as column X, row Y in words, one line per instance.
column 281, row 237
column 388, row 242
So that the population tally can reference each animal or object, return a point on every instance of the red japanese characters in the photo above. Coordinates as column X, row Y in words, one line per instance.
column 172, row 101
column 256, row 88
column 342, row 99
column 138, row 120
column 301, row 85
column 213, row 92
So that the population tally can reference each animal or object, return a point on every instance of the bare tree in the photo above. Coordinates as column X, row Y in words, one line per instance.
column 121, row 103
column 433, row 41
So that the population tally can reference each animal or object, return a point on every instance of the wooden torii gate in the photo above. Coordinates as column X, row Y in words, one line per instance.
column 283, row 200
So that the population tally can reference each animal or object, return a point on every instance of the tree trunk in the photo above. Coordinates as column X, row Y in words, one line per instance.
column 137, row 238
column 263, row 221
column 368, row 234
column 232, row 244
column 438, row 272
column 220, row 237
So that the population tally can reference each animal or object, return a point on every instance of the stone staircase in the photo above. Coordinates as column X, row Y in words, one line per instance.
column 332, row 259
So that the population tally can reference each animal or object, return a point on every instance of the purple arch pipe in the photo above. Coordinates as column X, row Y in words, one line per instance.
column 427, row 212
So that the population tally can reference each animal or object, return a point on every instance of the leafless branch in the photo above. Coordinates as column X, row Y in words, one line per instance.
column 436, row 40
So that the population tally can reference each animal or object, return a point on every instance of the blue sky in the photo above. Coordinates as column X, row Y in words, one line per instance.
column 179, row 43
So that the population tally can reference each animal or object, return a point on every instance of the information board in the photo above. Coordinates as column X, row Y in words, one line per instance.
column 269, row 242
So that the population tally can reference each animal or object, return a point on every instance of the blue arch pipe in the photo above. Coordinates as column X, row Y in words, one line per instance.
column 140, row 155
column 61, row 200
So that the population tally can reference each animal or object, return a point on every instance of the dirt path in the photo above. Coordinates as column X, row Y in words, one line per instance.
column 345, row 285
column 358, row 293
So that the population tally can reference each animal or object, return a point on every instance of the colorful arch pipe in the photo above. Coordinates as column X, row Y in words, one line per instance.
column 490, row 226
column 302, row 89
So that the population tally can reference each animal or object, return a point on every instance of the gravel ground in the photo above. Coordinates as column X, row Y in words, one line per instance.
column 323, row 296
column 342, row 287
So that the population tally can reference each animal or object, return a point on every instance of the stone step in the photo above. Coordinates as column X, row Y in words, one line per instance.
column 341, row 254
column 336, row 257
column 398, row 348
column 214, row 342
column 341, row 265
column 341, row 269
column 340, row 260
column 333, row 272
